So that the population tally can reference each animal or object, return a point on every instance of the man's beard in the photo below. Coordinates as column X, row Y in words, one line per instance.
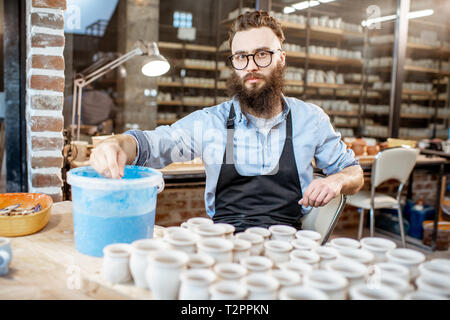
column 260, row 100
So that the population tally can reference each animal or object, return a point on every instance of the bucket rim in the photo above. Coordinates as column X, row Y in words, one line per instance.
column 155, row 179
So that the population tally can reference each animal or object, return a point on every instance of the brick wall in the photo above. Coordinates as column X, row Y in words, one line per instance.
column 44, row 95
column 179, row 203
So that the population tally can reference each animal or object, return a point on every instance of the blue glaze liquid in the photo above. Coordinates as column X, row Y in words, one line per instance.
column 93, row 233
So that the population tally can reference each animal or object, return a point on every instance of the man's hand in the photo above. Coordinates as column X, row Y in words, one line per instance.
column 110, row 156
column 320, row 192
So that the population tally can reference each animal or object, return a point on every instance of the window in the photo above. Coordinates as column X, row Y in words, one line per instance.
column 182, row 19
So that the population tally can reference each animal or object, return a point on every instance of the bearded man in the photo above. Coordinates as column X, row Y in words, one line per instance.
column 258, row 148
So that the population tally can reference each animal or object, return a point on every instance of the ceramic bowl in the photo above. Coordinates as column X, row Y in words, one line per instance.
column 22, row 225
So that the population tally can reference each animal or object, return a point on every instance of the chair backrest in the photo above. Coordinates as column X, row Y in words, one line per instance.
column 393, row 163
column 324, row 219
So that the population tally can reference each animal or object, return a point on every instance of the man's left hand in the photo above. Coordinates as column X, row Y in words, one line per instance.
column 320, row 192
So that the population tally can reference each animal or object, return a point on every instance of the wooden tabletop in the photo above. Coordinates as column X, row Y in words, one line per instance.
column 46, row 265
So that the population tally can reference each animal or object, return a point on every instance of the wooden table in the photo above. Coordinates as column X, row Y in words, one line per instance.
column 46, row 265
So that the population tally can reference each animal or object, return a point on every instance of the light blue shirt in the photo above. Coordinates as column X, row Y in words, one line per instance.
column 203, row 134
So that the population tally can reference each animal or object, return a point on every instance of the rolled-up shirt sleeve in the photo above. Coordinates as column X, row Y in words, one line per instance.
column 332, row 154
column 167, row 144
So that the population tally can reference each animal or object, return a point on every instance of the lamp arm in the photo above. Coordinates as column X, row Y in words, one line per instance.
column 81, row 82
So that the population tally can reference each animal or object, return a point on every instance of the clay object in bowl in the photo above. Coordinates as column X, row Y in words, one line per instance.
column 22, row 225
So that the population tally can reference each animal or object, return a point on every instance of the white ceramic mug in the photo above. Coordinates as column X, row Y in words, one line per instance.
column 261, row 287
column 195, row 284
column 378, row 246
column 230, row 271
column 277, row 250
column 256, row 240
column 332, row 283
column 257, row 264
column 228, row 290
column 140, row 252
column 219, row 248
column 408, row 258
column 115, row 267
column 282, row 232
column 241, row 249
column 163, row 273
column 302, row 293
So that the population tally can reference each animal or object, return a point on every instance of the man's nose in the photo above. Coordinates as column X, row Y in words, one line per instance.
column 252, row 66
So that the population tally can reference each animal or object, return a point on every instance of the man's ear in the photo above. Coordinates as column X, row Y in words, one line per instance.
column 283, row 57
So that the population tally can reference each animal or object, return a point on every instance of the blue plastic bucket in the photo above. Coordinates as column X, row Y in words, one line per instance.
column 107, row 211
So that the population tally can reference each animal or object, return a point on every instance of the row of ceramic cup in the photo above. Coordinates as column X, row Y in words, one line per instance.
column 202, row 260
column 5, row 256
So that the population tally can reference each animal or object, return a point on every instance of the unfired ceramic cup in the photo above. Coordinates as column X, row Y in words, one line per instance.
column 306, row 256
column 300, row 267
column 360, row 255
column 327, row 255
column 304, row 244
column 332, row 283
column 219, row 248
column 200, row 261
column 115, row 267
column 435, row 284
column 378, row 246
column 256, row 240
column 367, row 292
column 355, row 272
column 195, row 284
column 209, row 231
column 408, row 258
column 282, row 232
column 257, row 264
column 230, row 271
column 261, row 231
column 229, row 230
column 438, row 267
column 302, row 293
column 277, row 250
column 286, row 278
column 339, row 243
column 393, row 269
column 182, row 240
column 228, row 290
column 423, row 295
column 309, row 234
column 192, row 222
column 261, row 287
column 241, row 249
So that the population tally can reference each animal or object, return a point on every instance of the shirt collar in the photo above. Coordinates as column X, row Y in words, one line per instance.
column 240, row 116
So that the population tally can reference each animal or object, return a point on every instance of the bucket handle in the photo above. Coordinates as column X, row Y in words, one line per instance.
column 160, row 186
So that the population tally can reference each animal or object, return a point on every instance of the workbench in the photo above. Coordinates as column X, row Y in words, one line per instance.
column 46, row 265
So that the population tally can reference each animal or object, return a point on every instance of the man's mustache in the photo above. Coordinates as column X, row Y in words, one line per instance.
column 253, row 75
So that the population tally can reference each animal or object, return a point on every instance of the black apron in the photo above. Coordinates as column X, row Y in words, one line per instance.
column 264, row 200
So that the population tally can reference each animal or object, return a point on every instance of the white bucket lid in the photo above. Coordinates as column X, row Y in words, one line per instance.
column 86, row 177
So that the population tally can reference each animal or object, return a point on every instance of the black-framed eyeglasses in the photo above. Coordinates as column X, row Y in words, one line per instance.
column 262, row 58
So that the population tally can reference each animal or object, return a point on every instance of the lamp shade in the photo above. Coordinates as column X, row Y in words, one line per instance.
column 155, row 64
